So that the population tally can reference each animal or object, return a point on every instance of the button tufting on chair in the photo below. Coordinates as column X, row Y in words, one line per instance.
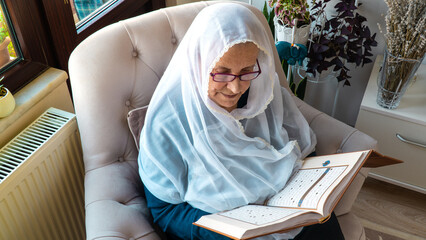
column 174, row 40
column 135, row 53
column 127, row 103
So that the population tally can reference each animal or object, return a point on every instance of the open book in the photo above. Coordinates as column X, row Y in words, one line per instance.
column 309, row 197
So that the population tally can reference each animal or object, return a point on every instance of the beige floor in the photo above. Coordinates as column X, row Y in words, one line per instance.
column 391, row 209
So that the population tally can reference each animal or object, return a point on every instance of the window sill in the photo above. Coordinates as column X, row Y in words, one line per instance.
column 47, row 90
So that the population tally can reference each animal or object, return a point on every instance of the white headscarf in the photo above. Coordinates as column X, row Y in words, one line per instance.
column 192, row 150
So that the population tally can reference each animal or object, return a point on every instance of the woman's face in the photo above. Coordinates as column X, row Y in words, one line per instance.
column 239, row 59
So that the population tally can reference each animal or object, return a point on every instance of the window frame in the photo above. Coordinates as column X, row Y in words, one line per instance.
column 36, row 55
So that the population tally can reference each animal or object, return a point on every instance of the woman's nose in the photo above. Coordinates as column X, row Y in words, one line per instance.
column 234, row 86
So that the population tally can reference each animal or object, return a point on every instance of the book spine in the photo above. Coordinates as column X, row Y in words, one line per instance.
column 324, row 219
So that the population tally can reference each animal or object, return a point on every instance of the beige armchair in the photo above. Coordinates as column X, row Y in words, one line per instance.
column 116, row 70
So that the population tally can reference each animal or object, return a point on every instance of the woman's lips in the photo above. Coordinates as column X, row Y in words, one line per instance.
column 229, row 96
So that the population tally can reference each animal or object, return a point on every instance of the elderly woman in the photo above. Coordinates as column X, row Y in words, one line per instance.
column 220, row 130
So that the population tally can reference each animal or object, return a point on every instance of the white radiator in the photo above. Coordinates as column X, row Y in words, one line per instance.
column 41, row 181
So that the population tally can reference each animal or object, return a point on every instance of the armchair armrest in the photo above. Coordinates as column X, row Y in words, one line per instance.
column 334, row 136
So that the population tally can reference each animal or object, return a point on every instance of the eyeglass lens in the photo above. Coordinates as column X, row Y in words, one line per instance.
column 222, row 77
column 226, row 77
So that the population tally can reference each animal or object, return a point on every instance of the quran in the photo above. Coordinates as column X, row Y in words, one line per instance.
column 309, row 197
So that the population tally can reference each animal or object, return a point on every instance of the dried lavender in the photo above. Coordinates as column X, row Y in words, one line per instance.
column 405, row 41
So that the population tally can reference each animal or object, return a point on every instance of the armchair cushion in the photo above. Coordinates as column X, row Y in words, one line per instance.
column 136, row 120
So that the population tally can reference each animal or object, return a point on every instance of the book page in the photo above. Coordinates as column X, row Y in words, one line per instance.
column 259, row 214
column 314, row 195
column 306, row 187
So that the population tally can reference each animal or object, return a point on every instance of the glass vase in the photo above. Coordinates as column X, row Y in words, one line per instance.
column 396, row 75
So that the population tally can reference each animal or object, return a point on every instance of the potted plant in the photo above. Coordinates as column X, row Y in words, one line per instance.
column 7, row 102
column 4, row 41
column 338, row 40
column 292, row 20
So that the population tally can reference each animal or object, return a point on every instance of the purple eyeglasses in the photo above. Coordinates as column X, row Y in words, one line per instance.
column 228, row 77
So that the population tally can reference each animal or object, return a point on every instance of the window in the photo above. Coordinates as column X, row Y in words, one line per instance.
column 85, row 9
column 43, row 33
column 9, row 50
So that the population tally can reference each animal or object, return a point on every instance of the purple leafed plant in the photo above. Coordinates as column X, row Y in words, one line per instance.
column 338, row 40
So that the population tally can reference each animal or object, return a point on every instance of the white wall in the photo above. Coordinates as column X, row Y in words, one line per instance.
column 321, row 96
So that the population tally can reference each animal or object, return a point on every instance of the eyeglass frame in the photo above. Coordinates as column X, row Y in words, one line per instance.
column 235, row 76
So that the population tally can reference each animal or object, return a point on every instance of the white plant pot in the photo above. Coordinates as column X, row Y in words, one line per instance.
column 324, row 76
column 283, row 33
column 7, row 104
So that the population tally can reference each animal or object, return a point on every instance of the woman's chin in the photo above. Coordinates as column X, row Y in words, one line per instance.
column 229, row 106
column 228, row 102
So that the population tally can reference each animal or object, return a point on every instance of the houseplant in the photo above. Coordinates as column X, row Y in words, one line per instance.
column 7, row 101
column 405, row 49
column 338, row 40
column 289, row 21
column 292, row 20
column 269, row 15
column 4, row 41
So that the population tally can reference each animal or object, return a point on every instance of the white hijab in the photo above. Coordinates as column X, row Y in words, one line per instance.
column 192, row 150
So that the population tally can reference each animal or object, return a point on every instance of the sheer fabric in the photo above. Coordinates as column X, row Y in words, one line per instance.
column 192, row 150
